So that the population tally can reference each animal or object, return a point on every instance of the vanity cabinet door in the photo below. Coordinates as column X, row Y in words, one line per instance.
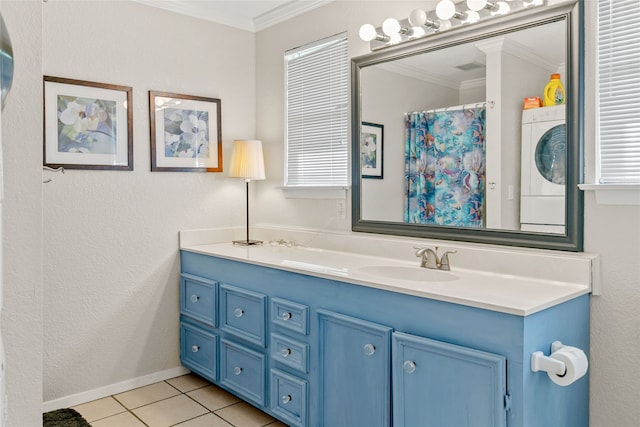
column 438, row 384
column 355, row 361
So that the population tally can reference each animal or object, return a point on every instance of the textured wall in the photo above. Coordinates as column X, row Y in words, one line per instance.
column 22, row 217
column 614, row 233
column 111, row 237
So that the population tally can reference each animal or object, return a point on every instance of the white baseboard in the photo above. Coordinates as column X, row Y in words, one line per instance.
column 108, row 390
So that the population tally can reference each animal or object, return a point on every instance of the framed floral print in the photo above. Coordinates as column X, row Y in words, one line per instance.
column 371, row 140
column 87, row 125
column 185, row 133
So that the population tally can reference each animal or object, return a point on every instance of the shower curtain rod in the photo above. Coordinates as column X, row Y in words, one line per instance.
column 491, row 104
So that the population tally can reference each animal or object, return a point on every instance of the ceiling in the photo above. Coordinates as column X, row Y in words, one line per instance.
column 250, row 15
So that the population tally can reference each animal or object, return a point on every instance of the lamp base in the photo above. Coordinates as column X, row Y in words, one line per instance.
column 247, row 242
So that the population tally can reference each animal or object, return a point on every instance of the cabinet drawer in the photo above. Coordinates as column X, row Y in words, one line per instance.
column 290, row 352
column 243, row 371
column 198, row 350
column 243, row 314
column 289, row 397
column 198, row 299
column 290, row 315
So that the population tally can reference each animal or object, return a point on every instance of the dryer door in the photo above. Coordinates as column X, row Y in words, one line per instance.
column 550, row 158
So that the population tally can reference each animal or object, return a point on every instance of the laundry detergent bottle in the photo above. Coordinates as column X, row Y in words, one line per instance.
column 554, row 91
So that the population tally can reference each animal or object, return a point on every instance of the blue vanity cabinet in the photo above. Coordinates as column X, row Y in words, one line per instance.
column 315, row 352
column 198, row 318
column 439, row 384
column 355, row 371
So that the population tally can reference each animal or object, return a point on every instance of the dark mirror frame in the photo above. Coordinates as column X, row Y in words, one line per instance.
column 572, row 240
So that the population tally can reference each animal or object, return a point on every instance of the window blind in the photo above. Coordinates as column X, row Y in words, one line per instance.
column 618, row 91
column 317, row 113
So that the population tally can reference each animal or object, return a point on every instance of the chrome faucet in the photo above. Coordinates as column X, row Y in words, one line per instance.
column 429, row 259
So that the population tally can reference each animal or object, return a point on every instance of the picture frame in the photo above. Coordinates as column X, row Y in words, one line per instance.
column 186, row 133
column 371, row 150
column 87, row 125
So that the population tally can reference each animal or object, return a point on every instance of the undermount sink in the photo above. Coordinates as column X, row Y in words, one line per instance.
column 415, row 274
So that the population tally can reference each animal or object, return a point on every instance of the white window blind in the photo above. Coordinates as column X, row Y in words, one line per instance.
column 618, row 91
column 317, row 113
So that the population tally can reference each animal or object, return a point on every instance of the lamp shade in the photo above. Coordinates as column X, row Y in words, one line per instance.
column 246, row 160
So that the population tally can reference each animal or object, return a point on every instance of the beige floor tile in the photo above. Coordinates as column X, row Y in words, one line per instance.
column 125, row 419
column 208, row 420
column 100, row 408
column 213, row 398
column 244, row 415
column 170, row 411
column 188, row 382
column 146, row 395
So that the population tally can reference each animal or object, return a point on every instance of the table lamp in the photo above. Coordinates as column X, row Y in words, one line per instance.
column 247, row 162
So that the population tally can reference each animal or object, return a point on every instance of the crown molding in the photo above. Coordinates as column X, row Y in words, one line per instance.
column 209, row 11
column 286, row 11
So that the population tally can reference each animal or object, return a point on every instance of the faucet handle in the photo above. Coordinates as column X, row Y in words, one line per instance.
column 444, row 260
column 420, row 251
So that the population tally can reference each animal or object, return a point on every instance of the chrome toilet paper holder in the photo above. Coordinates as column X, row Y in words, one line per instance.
column 540, row 362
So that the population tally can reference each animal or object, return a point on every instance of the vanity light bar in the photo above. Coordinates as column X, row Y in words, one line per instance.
column 447, row 15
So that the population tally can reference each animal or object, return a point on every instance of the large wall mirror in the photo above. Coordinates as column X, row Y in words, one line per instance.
column 444, row 148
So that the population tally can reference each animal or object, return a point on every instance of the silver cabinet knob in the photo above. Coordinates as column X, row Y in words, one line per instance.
column 409, row 366
column 286, row 352
column 238, row 312
column 286, row 399
column 195, row 348
column 286, row 315
column 194, row 298
column 369, row 349
column 237, row 370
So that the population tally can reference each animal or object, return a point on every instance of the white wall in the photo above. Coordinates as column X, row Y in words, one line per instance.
column 22, row 217
column 110, row 237
column 614, row 233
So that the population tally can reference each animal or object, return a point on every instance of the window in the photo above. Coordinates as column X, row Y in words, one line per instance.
column 316, row 79
column 618, row 92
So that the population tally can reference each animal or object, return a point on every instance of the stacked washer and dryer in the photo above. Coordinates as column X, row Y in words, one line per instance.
column 542, row 196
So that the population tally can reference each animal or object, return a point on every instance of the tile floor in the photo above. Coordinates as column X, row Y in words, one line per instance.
column 185, row 401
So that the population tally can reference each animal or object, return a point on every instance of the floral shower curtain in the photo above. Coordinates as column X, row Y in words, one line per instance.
column 445, row 167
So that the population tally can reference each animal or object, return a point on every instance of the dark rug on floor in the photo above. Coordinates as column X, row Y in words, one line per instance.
column 63, row 418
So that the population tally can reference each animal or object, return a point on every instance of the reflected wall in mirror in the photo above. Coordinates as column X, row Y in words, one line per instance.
column 464, row 159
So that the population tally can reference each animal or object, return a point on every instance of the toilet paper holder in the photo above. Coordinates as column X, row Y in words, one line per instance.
column 540, row 362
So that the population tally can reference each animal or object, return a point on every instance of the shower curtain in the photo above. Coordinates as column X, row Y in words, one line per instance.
column 445, row 167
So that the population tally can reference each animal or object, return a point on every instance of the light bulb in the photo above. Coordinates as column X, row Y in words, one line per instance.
column 445, row 9
column 395, row 38
column 444, row 25
column 391, row 26
column 472, row 17
column 503, row 8
column 417, row 17
column 368, row 32
column 417, row 32
column 476, row 5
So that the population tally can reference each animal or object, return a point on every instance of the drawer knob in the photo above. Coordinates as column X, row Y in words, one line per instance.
column 237, row 370
column 286, row 352
column 238, row 312
column 369, row 349
column 286, row 399
column 409, row 366
column 195, row 348
column 286, row 315
column 194, row 298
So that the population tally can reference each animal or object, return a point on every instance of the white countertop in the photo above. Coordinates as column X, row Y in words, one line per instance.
column 505, row 293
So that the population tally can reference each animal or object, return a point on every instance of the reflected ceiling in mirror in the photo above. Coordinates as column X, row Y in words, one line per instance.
column 461, row 159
